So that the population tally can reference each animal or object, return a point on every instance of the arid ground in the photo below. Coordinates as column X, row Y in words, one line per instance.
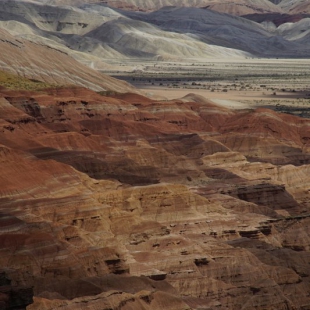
column 239, row 83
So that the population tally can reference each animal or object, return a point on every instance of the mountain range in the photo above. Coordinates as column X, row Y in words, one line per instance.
column 96, row 34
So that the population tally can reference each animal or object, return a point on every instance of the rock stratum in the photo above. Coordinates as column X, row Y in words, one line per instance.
column 122, row 202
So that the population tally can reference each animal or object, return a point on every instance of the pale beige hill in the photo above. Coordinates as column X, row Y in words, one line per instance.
column 295, row 31
column 222, row 29
column 33, row 34
column 99, row 33
column 41, row 62
column 132, row 38
column 295, row 6
column 53, row 26
column 94, row 33
column 67, row 20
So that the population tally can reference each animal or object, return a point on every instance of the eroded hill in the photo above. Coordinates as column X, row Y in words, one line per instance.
column 97, row 35
column 123, row 202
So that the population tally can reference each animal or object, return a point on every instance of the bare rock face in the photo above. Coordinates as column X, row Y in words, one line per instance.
column 123, row 202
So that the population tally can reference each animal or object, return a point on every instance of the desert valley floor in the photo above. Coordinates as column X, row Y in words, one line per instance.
column 236, row 83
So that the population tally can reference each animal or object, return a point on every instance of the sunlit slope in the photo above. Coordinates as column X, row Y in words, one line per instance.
column 49, row 65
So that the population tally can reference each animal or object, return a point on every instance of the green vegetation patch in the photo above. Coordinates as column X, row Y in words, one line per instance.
column 109, row 93
column 15, row 82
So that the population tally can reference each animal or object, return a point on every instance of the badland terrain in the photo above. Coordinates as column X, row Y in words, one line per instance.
column 154, row 155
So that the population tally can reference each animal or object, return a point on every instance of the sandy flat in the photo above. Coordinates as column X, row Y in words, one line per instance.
column 231, row 99
column 219, row 98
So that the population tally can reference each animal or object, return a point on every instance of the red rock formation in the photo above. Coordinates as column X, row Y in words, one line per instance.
column 130, row 203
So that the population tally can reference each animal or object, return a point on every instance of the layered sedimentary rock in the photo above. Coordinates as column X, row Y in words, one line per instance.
column 123, row 202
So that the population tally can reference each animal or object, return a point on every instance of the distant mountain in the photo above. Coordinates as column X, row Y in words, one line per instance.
column 264, row 10
column 134, row 38
column 295, row 31
column 104, row 33
column 286, row 5
column 300, row 7
column 94, row 34
column 222, row 29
